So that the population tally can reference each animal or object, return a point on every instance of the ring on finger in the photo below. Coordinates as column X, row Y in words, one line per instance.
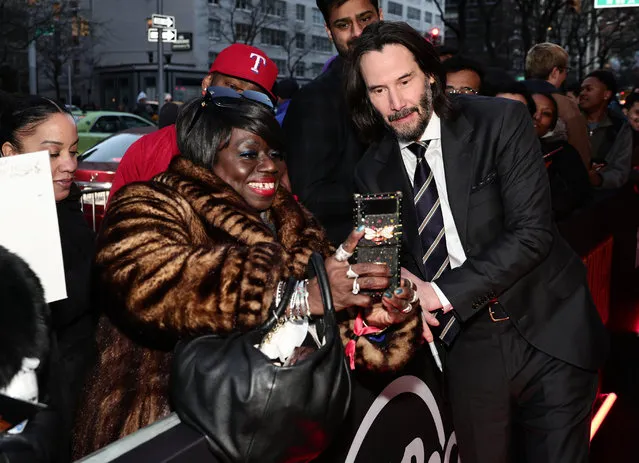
column 350, row 273
column 408, row 309
column 355, row 286
column 341, row 254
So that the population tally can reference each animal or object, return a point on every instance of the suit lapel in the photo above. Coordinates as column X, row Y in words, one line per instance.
column 458, row 163
column 391, row 176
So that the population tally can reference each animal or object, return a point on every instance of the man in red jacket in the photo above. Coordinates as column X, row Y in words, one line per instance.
column 239, row 67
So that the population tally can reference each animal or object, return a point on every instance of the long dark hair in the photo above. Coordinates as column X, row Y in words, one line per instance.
column 374, row 38
column 20, row 116
column 204, row 126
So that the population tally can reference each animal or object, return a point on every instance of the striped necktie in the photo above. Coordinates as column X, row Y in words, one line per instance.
column 429, row 216
column 431, row 232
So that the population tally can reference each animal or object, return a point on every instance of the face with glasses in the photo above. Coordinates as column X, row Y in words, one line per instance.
column 464, row 82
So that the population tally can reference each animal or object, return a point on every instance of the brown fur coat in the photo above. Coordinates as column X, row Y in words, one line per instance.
column 181, row 256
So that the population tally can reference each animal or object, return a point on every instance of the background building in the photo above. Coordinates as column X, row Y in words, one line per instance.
column 114, row 61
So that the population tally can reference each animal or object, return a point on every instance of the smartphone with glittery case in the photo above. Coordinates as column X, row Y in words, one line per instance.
column 381, row 216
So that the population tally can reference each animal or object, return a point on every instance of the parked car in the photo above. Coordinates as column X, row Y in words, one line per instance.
column 96, row 169
column 95, row 126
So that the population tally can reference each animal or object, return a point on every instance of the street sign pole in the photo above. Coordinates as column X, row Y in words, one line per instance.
column 160, row 79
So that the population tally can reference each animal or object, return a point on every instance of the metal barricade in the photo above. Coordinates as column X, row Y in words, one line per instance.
column 94, row 200
column 165, row 441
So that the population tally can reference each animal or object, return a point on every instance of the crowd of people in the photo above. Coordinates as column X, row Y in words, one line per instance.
column 210, row 216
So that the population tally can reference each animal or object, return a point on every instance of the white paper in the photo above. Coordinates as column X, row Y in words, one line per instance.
column 29, row 221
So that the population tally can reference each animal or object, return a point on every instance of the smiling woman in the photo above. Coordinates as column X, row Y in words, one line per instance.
column 39, row 124
column 206, row 247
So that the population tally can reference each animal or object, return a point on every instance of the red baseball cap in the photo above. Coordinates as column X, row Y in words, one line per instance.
column 247, row 63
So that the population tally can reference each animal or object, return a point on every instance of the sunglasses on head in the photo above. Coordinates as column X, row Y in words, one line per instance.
column 218, row 93
column 225, row 97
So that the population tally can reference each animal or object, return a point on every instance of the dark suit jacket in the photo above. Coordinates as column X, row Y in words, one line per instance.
column 323, row 149
column 500, row 200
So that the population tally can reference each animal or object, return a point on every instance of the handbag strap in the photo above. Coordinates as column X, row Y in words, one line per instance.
column 281, row 308
column 317, row 262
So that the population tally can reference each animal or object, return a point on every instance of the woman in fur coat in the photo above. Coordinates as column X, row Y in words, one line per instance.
column 201, row 249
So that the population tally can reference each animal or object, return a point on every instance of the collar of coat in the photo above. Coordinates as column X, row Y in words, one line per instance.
column 219, row 205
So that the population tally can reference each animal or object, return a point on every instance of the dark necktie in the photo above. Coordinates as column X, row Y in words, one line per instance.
column 429, row 216
column 431, row 231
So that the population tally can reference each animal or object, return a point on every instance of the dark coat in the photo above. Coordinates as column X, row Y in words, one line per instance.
column 185, row 255
column 323, row 149
column 500, row 200
column 71, row 326
column 569, row 184
column 74, row 320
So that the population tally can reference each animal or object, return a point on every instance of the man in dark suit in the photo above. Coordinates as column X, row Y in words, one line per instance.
column 481, row 247
column 323, row 146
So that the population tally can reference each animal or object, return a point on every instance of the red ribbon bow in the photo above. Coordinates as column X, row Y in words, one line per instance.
column 360, row 329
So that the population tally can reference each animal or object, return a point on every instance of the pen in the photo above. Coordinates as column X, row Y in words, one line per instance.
column 433, row 348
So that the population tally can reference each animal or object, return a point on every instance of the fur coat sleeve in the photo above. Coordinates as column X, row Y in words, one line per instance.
column 184, row 255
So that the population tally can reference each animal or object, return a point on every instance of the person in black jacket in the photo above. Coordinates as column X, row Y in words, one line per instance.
column 32, row 124
column 479, row 243
column 569, row 184
column 323, row 145
column 28, row 365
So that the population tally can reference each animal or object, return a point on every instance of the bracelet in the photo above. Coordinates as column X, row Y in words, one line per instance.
column 279, row 293
column 298, row 305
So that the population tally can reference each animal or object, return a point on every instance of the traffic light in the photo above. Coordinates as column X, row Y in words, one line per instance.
column 75, row 30
column 85, row 30
column 434, row 36
column 574, row 5
column 56, row 9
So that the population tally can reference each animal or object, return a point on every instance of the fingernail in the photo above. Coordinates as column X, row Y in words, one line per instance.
column 388, row 294
column 399, row 291
column 360, row 228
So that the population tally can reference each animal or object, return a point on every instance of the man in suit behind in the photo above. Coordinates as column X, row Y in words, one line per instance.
column 477, row 219
column 322, row 143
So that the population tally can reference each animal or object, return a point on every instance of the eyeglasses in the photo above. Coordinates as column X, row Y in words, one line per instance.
column 460, row 91
column 225, row 97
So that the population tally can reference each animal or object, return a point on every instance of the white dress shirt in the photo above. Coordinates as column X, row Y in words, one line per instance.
column 434, row 157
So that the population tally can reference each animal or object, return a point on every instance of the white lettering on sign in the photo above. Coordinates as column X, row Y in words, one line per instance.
column 259, row 60
column 414, row 449
column 412, row 385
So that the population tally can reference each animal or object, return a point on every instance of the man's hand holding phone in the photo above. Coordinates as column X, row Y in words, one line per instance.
column 428, row 301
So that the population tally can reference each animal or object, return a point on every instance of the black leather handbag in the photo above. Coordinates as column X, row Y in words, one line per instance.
column 252, row 410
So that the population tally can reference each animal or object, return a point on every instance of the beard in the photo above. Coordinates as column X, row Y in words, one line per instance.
column 412, row 131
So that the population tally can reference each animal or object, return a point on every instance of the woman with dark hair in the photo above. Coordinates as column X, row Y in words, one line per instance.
column 370, row 124
column 204, row 248
column 516, row 91
column 569, row 184
column 34, row 124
